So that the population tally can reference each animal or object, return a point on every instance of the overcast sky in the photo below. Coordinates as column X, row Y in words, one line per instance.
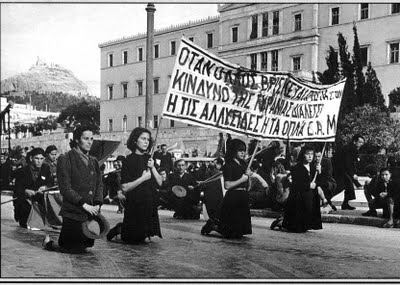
column 69, row 34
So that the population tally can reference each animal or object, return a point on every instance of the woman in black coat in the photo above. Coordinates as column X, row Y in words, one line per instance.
column 30, row 181
column 80, row 184
column 302, row 211
column 139, row 179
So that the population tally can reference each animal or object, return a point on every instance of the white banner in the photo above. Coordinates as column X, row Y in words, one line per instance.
column 208, row 91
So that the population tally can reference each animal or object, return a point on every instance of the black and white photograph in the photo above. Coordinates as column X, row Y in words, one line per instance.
column 200, row 142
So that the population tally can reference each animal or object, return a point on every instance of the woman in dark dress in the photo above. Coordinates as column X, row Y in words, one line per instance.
column 139, row 180
column 302, row 211
column 235, row 220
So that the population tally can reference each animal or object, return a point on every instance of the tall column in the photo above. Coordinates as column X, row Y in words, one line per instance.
column 149, row 65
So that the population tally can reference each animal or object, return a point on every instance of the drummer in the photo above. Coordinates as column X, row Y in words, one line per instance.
column 30, row 181
column 186, row 205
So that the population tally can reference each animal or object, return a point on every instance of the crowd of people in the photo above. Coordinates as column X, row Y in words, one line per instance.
column 298, row 180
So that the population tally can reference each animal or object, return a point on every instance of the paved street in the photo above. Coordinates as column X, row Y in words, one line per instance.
column 338, row 251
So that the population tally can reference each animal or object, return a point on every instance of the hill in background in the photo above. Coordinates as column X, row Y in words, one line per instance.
column 46, row 86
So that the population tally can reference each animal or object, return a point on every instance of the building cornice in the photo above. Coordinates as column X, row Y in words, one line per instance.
column 172, row 28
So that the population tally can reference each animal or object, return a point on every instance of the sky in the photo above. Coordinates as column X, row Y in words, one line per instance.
column 69, row 34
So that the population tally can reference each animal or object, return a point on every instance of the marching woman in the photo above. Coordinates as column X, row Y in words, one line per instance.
column 302, row 211
column 235, row 220
column 139, row 181
column 79, row 182
column 30, row 181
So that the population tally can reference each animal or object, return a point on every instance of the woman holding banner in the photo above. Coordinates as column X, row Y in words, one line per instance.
column 139, row 179
column 235, row 220
column 302, row 211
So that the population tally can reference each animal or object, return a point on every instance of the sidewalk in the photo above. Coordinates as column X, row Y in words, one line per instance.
column 340, row 216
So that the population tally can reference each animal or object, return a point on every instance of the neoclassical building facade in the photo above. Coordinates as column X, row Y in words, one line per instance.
column 268, row 37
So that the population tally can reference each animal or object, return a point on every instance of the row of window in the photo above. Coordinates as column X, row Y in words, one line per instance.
column 139, row 123
column 263, row 58
column 139, row 88
column 156, row 51
column 297, row 20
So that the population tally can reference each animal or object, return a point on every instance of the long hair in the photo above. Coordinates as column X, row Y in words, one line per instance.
column 77, row 134
column 234, row 146
column 134, row 136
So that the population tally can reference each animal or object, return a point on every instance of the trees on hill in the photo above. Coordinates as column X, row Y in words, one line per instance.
column 87, row 113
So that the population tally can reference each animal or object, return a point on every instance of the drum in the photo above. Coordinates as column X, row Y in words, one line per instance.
column 179, row 191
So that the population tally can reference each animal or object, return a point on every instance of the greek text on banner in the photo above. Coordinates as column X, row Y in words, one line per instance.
column 208, row 91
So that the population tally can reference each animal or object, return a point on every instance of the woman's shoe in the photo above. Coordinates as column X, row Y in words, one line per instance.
column 276, row 223
column 208, row 227
column 114, row 232
column 47, row 242
column 388, row 225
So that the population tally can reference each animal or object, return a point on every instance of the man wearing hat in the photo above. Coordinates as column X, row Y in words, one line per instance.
column 30, row 181
column 186, row 200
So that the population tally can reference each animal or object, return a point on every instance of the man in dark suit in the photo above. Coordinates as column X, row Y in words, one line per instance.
column 325, row 178
column 30, row 181
column 345, row 170
column 164, row 158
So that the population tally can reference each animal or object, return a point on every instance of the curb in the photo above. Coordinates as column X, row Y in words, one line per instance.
column 327, row 218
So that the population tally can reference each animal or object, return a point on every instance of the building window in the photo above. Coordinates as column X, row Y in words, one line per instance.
column 155, row 86
column 364, row 55
column 394, row 53
column 395, row 8
column 296, row 63
column 275, row 23
column 335, row 16
column 156, row 51
column 173, row 48
column 364, row 11
column 139, row 121
column 110, row 92
column 274, row 60
column 253, row 61
column 140, row 54
column 110, row 60
column 234, row 34
column 155, row 118
column 297, row 22
column 171, row 123
column 110, row 125
column 140, row 88
column 264, row 61
column 191, row 39
column 254, row 25
column 264, row 31
column 125, row 57
column 210, row 39
column 124, row 90
column 124, row 123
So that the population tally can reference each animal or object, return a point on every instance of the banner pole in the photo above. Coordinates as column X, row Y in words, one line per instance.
column 253, row 155
column 155, row 138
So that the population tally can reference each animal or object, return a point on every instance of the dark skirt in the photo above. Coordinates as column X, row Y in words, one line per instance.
column 302, row 212
column 235, row 218
column 140, row 221
column 72, row 237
